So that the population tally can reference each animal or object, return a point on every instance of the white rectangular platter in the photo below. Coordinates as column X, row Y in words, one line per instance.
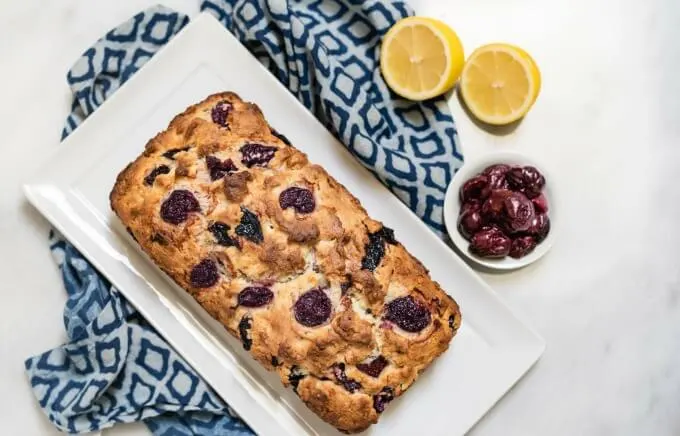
column 492, row 351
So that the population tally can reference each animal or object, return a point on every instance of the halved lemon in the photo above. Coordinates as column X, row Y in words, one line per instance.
column 421, row 58
column 500, row 83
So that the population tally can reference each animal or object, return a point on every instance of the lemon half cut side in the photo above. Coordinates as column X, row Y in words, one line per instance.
column 421, row 58
column 500, row 83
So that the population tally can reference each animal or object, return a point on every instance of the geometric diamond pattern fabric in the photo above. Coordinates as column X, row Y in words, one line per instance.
column 116, row 368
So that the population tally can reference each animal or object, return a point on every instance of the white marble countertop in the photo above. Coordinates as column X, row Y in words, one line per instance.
column 607, row 124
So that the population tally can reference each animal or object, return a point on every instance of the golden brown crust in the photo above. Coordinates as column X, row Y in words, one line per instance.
column 236, row 186
column 298, row 251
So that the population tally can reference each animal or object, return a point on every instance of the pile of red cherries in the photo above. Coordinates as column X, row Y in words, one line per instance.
column 504, row 211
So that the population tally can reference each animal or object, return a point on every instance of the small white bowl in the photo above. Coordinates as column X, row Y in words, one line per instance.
column 452, row 206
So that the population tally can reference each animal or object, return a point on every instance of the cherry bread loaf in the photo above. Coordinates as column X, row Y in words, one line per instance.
column 286, row 259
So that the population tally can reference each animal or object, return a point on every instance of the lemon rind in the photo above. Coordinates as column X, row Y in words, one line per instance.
column 387, row 75
column 532, row 92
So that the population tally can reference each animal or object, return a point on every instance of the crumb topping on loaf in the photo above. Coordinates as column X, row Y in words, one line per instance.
column 286, row 259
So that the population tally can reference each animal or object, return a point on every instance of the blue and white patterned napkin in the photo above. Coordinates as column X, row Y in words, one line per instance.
column 116, row 368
